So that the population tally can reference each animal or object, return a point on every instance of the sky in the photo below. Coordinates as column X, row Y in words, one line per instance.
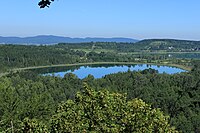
column 138, row 19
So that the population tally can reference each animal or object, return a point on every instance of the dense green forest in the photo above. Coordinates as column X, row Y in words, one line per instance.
column 27, row 96
column 94, row 66
column 20, row 56
column 33, row 103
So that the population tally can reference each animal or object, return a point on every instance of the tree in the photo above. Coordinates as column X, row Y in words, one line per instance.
column 45, row 3
column 101, row 111
column 32, row 126
column 9, row 103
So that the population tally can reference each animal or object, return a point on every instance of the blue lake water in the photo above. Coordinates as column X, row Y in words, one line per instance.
column 98, row 71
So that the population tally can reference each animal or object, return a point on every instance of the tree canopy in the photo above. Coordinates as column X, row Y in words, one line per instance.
column 28, row 95
column 102, row 111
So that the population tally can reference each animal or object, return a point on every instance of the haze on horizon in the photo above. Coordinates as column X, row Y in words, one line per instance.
column 138, row 19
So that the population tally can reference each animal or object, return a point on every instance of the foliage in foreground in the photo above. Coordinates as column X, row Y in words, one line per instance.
column 37, row 97
column 101, row 111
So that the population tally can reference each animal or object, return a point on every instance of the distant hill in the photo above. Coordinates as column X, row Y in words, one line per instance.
column 167, row 44
column 49, row 39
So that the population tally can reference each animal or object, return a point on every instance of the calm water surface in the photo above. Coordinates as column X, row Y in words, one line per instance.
column 98, row 71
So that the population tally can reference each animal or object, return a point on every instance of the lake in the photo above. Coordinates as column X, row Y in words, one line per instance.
column 98, row 71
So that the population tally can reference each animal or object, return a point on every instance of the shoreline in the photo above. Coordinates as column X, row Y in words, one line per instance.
column 103, row 63
column 96, row 63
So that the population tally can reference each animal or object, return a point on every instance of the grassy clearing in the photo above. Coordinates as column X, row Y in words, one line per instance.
column 95, row 50
column 159, row 52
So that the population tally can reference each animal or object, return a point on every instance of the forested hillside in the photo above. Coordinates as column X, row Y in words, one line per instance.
column 99, row 79
column 28, row 97
column 168, row 45
column 16, row 56
column 20, row 56
column 32, row 102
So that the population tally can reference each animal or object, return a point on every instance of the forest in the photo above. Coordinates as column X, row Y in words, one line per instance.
column 20, row 56
column 140, row 101
column 99, row 66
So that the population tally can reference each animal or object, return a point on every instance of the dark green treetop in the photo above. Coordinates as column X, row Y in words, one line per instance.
column 102, row 111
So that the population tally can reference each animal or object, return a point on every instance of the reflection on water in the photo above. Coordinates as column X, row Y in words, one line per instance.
column 98, row 71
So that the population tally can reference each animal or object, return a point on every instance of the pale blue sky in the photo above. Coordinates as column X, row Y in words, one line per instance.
column 138, row 19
